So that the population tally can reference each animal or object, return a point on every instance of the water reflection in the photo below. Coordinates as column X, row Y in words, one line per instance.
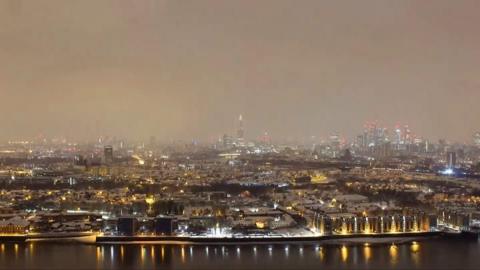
column 415, row 253
column 16, row 250
column 344, row 254
column 112, row 254
column 393, row 254
column 322, row 254
column 367, row 253
column 415, row 247
column 182, row 254
column 220, row 256
column 99, row 254
column 142, row 248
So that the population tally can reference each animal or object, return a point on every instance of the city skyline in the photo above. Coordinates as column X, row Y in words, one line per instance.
column 395, row 134
column 177, row 70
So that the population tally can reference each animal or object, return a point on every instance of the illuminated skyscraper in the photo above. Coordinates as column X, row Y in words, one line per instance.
column 406, row 134
column 369, row 133
column 398, row 135
column 476, row 139
column 360, row 141
column 265, row 138
column 335, row 140
column 451, row 159
column 240, row 131
column 227, row 141
column 108, row 154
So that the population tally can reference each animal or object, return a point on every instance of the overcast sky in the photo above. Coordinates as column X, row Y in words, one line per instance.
column 187, row 69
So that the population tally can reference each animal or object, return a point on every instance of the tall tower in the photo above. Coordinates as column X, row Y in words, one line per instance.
column 240, row 132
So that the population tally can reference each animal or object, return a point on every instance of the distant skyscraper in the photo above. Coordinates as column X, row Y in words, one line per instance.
column 398, row 135
column 451, row 159
column 370, row 128
column 367, row 134
column 240, row 131
column 335, row 140
column 108, row 154
column 407, row 136
column 227, row 141
column 360, row 141
column 382, row 151
column 476, row 139
column 265, row 138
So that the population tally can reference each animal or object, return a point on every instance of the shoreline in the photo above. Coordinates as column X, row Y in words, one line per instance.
column 91, row 238
column 328, row 239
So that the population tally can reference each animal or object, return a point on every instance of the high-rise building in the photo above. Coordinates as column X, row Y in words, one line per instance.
column 227, row 141
column 335, row 141
column 360, row 141
column 108, row 154
column 240, row 132
column 406, row 134
column 427, row 146
column 266, row 139
column 369, row 133
column 476, row 139
column 398, row 136
column 79, row 160
column 451, row 159
column 382, row 151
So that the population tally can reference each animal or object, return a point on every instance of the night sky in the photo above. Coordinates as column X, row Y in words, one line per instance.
column 186, row 69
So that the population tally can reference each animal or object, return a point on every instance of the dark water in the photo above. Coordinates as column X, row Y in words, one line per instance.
column 432, row 254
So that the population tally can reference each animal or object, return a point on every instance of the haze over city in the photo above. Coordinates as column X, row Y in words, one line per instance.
column 187, row 69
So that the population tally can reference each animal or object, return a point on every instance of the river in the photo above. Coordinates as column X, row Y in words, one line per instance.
column 429, row 254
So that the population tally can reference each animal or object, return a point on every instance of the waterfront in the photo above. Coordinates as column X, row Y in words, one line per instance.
column 430, row 254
